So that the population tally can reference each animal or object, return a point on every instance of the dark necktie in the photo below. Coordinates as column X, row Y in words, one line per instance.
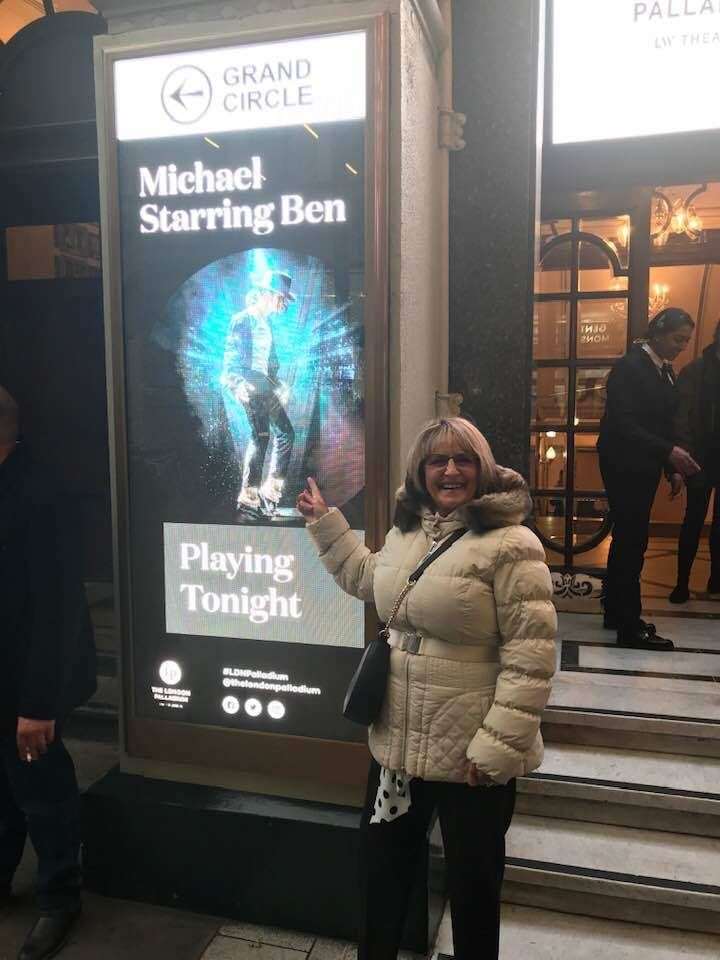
column 668, row 374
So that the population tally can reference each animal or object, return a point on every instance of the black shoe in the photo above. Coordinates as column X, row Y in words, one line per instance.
column 611, row 622
column 49, row 935
column 643, row 638
column 679, row 595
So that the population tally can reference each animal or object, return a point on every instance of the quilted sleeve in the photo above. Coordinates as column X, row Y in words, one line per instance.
column 344, row 555
column 527, row 624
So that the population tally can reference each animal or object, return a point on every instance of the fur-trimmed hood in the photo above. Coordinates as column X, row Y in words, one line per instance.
column 509, row 503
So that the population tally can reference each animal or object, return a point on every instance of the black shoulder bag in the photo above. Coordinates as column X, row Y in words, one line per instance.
column 366, row 692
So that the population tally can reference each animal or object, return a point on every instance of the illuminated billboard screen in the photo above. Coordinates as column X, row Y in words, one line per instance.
column 634, row 68
column 242, row 193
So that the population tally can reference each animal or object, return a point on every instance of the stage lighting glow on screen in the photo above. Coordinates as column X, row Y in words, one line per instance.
column 634, row 68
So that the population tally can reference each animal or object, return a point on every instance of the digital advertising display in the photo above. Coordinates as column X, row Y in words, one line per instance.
column 634, row 68
column 239, row 204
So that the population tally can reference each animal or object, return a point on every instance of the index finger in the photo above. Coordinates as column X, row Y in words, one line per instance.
column 314, row 488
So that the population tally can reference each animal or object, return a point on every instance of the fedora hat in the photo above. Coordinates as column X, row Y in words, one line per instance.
column 277, row 282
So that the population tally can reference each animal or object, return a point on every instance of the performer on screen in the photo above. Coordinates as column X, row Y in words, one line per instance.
column 250, row 375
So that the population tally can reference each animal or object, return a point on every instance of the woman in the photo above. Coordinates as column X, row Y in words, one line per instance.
column 635, row 446
column 473, row 655
column 697, row 428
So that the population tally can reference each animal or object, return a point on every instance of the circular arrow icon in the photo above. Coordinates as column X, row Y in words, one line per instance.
column 186, row 94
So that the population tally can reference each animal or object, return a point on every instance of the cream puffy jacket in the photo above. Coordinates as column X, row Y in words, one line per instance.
column 483, row 611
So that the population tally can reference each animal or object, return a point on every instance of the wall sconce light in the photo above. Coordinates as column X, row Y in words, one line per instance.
column 676, row 217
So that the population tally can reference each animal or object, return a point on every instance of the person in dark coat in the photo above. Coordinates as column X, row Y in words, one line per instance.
column 636, row 445
column 697, row 428
column 47, row 667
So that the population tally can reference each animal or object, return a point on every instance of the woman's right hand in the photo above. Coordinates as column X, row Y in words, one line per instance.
column 311, row 502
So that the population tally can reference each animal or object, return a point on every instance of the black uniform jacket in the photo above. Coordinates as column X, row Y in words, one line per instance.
column 636, row 432
column 697, row 420
column 47, row 654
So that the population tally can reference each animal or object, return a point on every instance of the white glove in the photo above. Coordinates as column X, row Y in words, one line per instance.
column 242, row 391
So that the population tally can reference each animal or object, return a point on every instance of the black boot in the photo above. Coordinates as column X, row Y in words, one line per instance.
column 680, row 594
column 713, row 586
column 49, row 935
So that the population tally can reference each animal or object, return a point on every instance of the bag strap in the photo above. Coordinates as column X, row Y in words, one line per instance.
column 436, row 552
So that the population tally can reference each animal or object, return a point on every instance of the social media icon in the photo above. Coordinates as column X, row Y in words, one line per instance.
column 170, row 672
column 253, row 707
column 276, row 709
column 231, row 705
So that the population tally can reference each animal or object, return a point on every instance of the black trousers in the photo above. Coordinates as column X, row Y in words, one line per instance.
column 41, row 799
column 264, row 410
column 631, row 497
column 699, row 489
column 474, row 821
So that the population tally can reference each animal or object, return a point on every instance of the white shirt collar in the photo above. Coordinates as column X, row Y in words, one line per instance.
column 658, row 361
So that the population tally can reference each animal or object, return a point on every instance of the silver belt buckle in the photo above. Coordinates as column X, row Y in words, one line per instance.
column 412, row 642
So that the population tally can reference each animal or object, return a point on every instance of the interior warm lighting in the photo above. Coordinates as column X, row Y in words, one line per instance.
column 550, row 453
column 676, row 218
column 577, row 421
column 624, row 235
column 659, row 298
column 551, row 434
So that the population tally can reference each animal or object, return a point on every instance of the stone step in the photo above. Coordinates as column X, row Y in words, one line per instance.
column 629, row 730
column 614, row 872
column 604, row 785
column 527, row 932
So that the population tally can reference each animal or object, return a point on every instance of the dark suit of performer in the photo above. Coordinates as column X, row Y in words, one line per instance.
column 250, row 374
column 47, row 667
column 635, row 446
column 697, row 428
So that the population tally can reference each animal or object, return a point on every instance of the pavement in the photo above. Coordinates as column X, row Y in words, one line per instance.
column 111, row 929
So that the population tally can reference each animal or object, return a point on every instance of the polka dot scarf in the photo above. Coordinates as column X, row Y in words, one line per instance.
column 393, row 796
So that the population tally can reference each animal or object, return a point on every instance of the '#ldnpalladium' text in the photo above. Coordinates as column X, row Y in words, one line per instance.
column 167, row 181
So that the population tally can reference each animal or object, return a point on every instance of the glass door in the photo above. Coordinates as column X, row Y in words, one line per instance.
column 582, row 301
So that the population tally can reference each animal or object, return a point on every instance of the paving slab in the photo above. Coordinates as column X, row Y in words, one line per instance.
column 340, row 950
column 273, row 936
column 118, row 930
column 230, row 948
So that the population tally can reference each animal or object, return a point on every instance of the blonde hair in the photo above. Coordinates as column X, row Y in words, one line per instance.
column 463, row 436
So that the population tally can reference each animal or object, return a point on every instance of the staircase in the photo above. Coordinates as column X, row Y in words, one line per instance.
column 614, row 850
column 622, row 822
column 623, row 835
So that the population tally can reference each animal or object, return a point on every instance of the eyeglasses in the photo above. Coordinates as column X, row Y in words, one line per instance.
column 462, row 461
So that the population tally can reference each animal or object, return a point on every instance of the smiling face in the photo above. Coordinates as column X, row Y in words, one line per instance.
column 451, row 476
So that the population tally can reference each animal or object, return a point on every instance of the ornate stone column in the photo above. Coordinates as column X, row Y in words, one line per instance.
column 494, row 205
